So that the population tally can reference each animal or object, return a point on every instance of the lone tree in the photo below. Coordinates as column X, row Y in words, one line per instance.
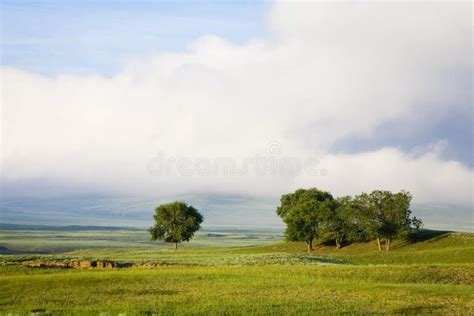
column 386, row 215
column 302, row 212
column 175, row 222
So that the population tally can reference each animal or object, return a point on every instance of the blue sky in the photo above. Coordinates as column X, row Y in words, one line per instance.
column 53, row 37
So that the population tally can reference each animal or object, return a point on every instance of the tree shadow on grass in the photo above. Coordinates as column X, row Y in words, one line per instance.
column 427, row 234
column 422, row 236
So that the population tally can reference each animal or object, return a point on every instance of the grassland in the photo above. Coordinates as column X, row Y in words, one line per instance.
column 235, row 273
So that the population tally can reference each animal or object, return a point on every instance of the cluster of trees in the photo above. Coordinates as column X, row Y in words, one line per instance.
column 311, row 214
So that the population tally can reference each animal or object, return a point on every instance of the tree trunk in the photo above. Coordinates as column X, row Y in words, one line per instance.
column 338, row 242
column 387, row 244
column 310, row 245
column 175, row 246
column 378, row 243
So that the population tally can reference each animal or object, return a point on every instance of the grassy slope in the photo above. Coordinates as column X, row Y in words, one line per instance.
column 431, row 276
column 433, row 247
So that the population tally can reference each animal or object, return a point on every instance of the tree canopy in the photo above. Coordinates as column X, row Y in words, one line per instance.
column 386, row 215
column 311, row 213
column 175, row 222
column 340, row 222
column 302, row 212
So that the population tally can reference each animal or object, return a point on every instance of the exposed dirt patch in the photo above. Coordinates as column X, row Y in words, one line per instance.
column 80, row 264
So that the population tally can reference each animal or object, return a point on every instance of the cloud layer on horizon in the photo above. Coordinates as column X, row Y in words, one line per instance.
column 325, row 72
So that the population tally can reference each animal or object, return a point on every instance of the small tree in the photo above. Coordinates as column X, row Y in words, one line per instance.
column 416, row 224
column 302, row 212
column 175, row 222
column 386, row 215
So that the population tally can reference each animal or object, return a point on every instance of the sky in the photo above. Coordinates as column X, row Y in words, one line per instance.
column 160, row 100
column 98, row 37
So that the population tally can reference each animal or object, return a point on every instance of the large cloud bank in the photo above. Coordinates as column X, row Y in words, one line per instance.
column 325, row 72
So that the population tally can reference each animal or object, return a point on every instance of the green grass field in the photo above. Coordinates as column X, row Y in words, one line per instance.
column 234, row 273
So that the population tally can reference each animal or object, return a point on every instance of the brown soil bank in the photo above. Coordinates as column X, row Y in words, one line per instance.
column 80, row 264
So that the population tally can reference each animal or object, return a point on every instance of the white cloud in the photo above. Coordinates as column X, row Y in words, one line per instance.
column 326, row 72
column 427, row 177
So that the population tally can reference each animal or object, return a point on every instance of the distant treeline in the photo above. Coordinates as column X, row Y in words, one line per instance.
column 310, row 214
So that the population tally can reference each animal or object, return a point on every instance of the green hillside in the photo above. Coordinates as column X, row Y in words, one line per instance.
column 433, row 274
column 430, row 247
